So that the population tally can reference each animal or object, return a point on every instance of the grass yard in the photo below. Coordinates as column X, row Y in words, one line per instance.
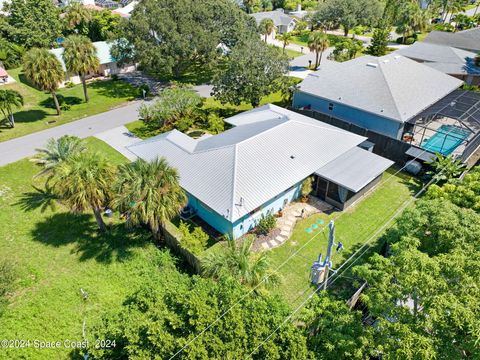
column 302, row 39
column 353, row 228
column 38, row 109
column 55, row 254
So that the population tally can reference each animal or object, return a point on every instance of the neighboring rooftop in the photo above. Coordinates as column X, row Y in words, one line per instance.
column 467, row 39
column 269, row 150
column 103, row 53
column 278, row 16
column 390, row 86
column 446, row 59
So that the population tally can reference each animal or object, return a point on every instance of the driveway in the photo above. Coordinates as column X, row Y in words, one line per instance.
column 120, row 138
column 22, row 147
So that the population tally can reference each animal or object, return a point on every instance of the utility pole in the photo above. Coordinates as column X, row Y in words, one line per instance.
column 331, row 239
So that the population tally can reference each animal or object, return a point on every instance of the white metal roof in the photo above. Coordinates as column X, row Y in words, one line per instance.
column 390, row 86
column 240, row 169
column 103, row 53
column 355, row 169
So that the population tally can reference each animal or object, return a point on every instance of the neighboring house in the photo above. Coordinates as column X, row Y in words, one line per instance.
column 126, row 10
column 283, row 22
column 84, row 2
column 398, row 98
column 3, row 76
column 108, row 65
column 449, row 60
column 468, row 40
column 378, row 94
column 257, row 167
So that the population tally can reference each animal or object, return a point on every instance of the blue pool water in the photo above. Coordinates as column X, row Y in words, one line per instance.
column 446, row 139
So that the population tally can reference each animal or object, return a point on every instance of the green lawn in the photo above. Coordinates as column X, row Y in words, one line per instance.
column 353, row 228
column 302, row 39
column 38, row 111
column 55, row 254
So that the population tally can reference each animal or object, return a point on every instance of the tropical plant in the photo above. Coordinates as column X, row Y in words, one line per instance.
column 239, row 261
column 149, row 193
column 266, row 27
column 84, row 182
column 80, row 57
column 76, row 14
column 10, row 99
column 445, row 168
column 346, row 49
column 56, row 152
column 215, row 124
column 307, row 187
column 285, row 38
column 318, row 42
column 194, row 240
column 44, row 71
column 11, row 54
column 266, row 224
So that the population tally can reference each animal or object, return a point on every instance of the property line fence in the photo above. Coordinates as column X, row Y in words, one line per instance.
column 385, row 146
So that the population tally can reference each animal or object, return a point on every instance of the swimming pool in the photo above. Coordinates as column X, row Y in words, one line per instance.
column 446, row 139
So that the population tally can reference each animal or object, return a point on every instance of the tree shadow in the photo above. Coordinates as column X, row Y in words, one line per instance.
column 114, row 89
column 117, row 244
column 25, row 116
column 69, row 100
column 40, row 198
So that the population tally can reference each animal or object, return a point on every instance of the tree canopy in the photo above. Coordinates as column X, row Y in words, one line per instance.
column 253, row 70
column 171, row 36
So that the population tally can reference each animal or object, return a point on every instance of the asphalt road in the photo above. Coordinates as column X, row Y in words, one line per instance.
column 19, row 148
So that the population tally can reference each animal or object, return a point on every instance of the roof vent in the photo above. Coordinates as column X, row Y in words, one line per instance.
column 381, row 110
column 373, row 65
column 292, row 156
column 339, row 98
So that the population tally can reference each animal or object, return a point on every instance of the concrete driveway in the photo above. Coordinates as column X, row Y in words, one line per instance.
column 22, row 147
column 120, row 138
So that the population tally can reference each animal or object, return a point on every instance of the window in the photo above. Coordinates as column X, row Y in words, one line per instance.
column 330, row 106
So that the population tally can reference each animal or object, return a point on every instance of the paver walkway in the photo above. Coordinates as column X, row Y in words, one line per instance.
column 291, row 214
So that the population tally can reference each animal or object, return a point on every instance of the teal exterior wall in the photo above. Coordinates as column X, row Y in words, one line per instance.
column 358, row 117
column 249, row 221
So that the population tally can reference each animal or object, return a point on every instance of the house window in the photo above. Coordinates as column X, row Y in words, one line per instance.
column 330, row 106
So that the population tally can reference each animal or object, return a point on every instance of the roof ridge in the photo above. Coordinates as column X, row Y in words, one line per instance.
column 381, row 66
column 234, row 184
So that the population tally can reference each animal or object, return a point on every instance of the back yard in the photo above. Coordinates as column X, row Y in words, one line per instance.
column 55, row 254
column 38, row 113
column 353, row 228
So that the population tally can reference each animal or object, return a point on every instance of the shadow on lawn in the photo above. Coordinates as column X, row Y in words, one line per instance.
column 26, row 116
column 116, row 244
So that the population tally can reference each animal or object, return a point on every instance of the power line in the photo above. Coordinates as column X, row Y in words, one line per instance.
column 283, row 263
column 345, row 262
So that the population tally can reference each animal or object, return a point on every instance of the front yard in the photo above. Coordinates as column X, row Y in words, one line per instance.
column 353, row 228
column 38, row 112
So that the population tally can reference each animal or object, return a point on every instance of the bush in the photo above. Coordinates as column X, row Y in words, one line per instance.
column 307, row 187
column 408, row 41
column 142, row 88
column 266, row 224
column 215, row 124
column 114, row 77
column 69, row 84
column 196, row 240
column 184, row 124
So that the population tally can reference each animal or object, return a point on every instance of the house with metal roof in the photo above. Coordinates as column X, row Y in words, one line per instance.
column 449, row 60
column 257, row 167
column 108, row 64
column 468, row 40
column 283, row 23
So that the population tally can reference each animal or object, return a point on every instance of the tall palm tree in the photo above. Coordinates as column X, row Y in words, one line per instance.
column 80, row 57
column 266, row 27
column 44, row 71
column 285, row 38
column 238, row 260
column 76, row 14
column 83, row 182
column 149, row 193
column 318, row 42
column 10, row 99
column 56, row 152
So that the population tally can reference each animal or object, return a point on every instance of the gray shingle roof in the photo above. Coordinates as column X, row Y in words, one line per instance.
column 467, row 39
column 446, row 59
column 278, row 16
column 354, row 169
column 390, row 86
column 272, row 150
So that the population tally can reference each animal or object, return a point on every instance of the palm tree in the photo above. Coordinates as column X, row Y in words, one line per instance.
column 56, row 152
column 83, row 182
column 149, row 193
column 80, row 57
column 76, row 13
column 318, row 42
column 10, row 99
column 285, row 39
column 45, row 71
column 266, row 27
column 239, row 261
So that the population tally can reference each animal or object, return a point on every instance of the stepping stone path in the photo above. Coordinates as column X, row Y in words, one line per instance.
column 291, row 214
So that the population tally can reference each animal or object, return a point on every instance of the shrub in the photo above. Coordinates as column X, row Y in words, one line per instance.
column 69, row 84
column 215, row 123
column 184, row 124
column 196, row 240
column 307, row 187
column 142, row 88
column 114, row 77
column 266, row 224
